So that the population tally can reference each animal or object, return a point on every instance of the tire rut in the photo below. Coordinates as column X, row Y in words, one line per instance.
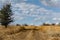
column 29, row 36
column 22, row 35
column 36, row 35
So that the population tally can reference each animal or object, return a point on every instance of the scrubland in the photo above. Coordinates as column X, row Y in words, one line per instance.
column 30, row 33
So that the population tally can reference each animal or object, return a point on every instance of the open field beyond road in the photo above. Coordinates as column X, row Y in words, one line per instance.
column 30, row 33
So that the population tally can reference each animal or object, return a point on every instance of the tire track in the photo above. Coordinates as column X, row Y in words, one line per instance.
column 36, row 35
column 29, row 36
column 43, row 36
column 22, row 35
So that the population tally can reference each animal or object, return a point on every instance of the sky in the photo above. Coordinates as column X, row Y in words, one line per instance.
column 34, row 12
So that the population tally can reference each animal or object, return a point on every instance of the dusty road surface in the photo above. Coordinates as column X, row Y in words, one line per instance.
column 16, row 33
column 25, row 35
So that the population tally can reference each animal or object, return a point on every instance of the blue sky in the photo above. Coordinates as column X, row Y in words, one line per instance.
column 34, row 12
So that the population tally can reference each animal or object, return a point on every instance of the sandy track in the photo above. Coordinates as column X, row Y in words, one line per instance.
column 22, row 35
column 30, row 34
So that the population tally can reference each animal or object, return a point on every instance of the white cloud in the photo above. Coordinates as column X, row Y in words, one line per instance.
column 37, row 19
column 55, row 3
column 56, row 19
column 23, row 10
column 47, row 22
column 11, row 1
column 18, row 17
column 31, row 10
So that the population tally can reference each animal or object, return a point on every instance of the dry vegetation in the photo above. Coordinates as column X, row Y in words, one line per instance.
column 30, row 33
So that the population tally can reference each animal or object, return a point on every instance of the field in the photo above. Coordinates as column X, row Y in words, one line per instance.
column 30, row 33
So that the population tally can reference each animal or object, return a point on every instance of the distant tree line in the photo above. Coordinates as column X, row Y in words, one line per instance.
column 47, row 24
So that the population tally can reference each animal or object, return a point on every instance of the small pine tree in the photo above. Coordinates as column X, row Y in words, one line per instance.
column 5, row 15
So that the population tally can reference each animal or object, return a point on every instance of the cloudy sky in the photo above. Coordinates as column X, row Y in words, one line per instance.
column 34, row 11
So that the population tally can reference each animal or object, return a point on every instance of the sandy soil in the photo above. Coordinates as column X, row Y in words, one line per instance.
column 34, row 33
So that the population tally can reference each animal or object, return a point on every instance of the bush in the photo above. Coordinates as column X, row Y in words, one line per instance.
column 46, row 24
column 25, row 25
column 53, row 23
column 18, row 25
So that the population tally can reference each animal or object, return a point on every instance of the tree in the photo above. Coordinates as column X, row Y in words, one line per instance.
column 46, row 24
column 6, row 15
column 25, row 24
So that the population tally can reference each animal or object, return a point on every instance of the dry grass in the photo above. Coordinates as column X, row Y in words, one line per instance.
column 30, row 33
